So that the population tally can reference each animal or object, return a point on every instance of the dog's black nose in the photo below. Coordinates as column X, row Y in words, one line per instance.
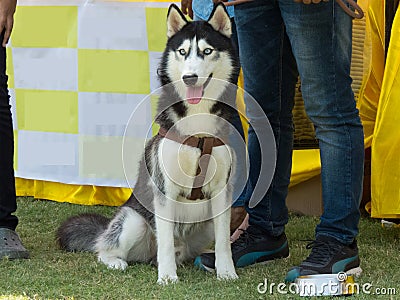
column 190, row 79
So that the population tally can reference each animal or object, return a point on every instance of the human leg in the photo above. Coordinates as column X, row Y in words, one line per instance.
column 10, row 243
column 321, row 40
column 270, row 75
column 7, row 182
column 320, row 36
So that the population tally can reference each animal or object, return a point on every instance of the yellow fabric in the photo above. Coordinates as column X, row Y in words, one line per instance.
column 306, row 164
column 374, row 57
column 61, row 34
column 241, row 105
column 87, row 195
column 385, row 159
column 379, row 106
column 120, row 71
column 156, row 36
column 61, row 109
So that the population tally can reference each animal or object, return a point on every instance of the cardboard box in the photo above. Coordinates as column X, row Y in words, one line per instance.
column 306, row 198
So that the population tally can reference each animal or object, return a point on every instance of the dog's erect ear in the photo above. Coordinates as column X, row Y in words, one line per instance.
column 220, row 20
column 175, row 20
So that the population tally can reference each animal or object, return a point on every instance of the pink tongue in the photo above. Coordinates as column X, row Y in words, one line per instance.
column 194, row 94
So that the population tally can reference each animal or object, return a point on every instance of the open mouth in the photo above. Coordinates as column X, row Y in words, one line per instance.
column 195, row 93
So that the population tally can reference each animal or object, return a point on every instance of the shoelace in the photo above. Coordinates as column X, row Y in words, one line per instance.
column 243, row 240
column 321, row 251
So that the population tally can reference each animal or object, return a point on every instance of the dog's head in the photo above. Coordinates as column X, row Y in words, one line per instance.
column 199, row 55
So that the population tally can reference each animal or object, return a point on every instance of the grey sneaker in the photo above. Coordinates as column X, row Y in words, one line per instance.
column 11, row 245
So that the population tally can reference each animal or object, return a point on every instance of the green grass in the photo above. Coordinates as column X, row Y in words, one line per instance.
column 54, row 274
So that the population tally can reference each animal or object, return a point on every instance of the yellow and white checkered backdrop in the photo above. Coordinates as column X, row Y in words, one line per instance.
column 77, row 70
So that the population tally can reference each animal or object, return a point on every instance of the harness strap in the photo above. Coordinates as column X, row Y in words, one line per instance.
column 205, row 144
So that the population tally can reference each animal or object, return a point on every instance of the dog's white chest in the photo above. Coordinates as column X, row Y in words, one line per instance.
column 179, row 164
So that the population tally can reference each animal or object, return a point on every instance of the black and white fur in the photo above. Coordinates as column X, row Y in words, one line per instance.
column 142, row 230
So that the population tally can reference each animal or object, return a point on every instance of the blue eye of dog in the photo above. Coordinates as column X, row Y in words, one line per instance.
column 207, row 51
column 182, row 51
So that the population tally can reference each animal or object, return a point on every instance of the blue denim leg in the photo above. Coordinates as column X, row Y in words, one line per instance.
column 321, row 39
column 238, row 143
column 270, row 76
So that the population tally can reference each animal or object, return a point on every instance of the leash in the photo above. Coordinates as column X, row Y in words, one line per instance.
column 350, row 12
column 205, row 144
column 357, row 13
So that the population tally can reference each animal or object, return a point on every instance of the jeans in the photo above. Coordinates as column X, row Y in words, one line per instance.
column 8, row 204
column 275, row 36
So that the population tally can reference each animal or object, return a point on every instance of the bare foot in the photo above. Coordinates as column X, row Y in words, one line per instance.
column 238, row 214
column 240, row 229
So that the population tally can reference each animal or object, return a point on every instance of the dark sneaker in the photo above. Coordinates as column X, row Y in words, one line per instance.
column 328, row 256
column 252, row 247
column 11, row 245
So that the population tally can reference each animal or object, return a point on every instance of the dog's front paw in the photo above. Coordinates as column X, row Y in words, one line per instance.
column 227, row 275
column 113, row 262
column 226, row 270
column 167, row 279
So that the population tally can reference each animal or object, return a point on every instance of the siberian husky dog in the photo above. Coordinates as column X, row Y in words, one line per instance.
column 164, row 220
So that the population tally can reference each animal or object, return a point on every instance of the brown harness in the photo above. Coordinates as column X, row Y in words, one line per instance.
column 205, row 144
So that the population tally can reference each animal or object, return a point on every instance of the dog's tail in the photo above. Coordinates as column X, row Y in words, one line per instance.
column 79, row 233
